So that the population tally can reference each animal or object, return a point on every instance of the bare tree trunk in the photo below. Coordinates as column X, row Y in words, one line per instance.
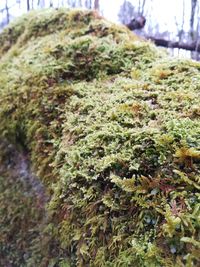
column 96, row 4
column 193, row 9
column 80, row 3
column 196, row 54
column 28, row 5
column 141, row 6
column 7, row 12
column 40, row 3
column 73, row 3
column 51, row 4
column 88, row 4
column 181, row 32
column 19, row 3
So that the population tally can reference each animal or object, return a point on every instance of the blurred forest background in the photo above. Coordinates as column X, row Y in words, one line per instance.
column 174, row 24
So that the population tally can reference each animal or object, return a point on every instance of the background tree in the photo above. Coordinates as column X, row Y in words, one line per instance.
column 126, row 12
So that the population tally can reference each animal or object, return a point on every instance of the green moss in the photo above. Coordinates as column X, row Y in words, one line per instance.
column 112, row 128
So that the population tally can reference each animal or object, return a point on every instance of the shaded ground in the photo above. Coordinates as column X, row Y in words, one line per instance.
column 22, row 213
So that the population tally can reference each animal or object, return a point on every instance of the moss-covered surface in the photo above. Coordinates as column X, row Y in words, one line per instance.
column 111, row 125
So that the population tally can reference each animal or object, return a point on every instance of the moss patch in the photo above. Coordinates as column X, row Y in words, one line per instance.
column 112, row 128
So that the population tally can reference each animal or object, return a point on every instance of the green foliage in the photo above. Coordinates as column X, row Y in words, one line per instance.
column 112, row 128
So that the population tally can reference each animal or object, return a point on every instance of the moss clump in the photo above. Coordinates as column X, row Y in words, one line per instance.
column 112, row 128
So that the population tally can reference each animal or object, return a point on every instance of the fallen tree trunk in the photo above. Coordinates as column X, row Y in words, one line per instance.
column 139, row 22
column 194, row 46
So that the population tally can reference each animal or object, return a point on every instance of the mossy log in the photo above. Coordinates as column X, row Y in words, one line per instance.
column 111, row 126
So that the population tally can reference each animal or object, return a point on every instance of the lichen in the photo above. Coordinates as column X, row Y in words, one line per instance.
column 111, row 125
